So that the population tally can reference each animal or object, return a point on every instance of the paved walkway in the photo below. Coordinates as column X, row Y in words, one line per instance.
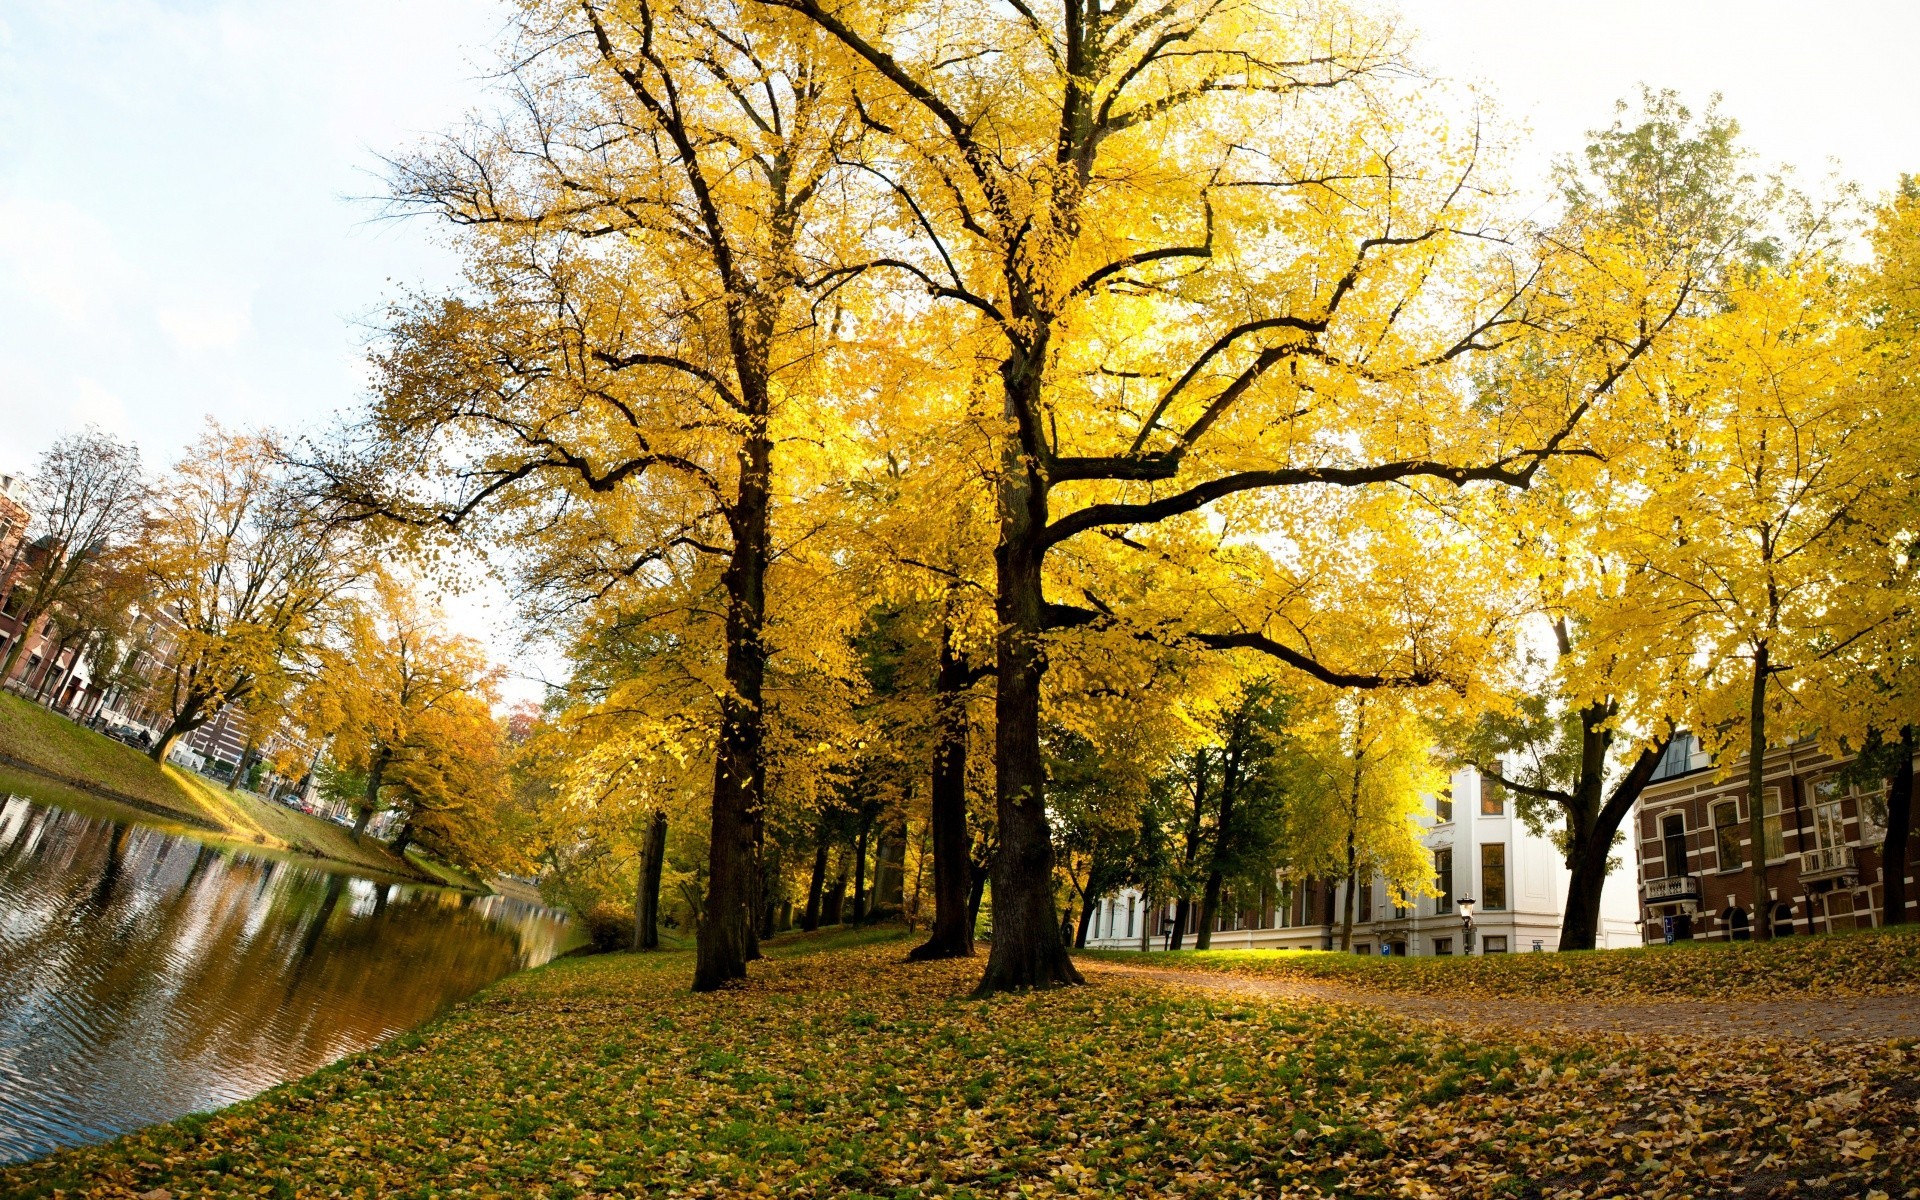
column 1840, row 1018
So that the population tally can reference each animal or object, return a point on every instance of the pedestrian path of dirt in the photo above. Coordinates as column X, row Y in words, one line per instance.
column 1839, row 1018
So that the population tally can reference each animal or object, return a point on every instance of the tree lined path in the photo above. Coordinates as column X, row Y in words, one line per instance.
column 1821, row 1018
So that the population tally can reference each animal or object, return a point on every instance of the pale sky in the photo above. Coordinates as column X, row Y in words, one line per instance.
column 180, row 233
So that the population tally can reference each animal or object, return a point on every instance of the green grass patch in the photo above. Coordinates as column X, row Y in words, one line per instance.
column 841, row 1070
column 1860, row 963
column 179, row 801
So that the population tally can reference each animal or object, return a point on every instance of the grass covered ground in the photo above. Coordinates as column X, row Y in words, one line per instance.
column 840, row 1070
column 1863, row 963
column 60, row 753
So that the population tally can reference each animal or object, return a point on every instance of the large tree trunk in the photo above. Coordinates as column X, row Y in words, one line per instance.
column 399, row 844
column 1590, row 834
column 1893, row 852
column 1756, row 793
column 646, row 899
column 188, row 719
column 810, row 918
column 371, row 803
column 1028, row 951
column 952, row 932
column 725, row 937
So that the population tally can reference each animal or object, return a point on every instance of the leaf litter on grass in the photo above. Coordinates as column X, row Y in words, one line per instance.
column 848, row 1072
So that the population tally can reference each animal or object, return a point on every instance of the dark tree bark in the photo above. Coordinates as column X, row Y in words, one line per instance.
column 399, row 844
column 1893, row 852
column 370, row 803
column 1756, row 792
column 726, row 940
column 1089, row 904
column 1593, row 816
column 1183, row 902
column 191, row 716
column 834, row 909
column 1222, row 845
column 646, row 900
column 810, row 918
column 860, row 868
column 980, row 873
column 952, row 933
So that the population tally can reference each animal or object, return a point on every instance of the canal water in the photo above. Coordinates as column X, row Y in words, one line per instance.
column 145, row 976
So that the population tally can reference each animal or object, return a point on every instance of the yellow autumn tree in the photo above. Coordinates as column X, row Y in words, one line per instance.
column 608, row 395
column 244, row 568
column 1208, row 249
column 1763, row 538
column 1360, row 772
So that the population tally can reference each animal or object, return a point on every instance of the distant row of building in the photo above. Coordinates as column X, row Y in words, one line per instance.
column 1684, row 873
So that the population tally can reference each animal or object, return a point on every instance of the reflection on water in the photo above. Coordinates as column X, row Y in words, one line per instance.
column 145, row 976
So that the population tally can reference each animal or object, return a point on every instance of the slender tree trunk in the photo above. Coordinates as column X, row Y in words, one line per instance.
column 1089, row 904
column 1893, row 852
column 1346, row 918
column 1028, row 951
column 725, row 935
column 810, row 919
column 1222, row 846
column 1183, row 903
column 1756, row 793
column 769, row 897
column 646, row 899
column 860, row 870
column 952, row 933
column 980, row 874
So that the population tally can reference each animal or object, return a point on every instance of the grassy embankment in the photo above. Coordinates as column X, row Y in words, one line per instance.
column 1862, row 963
column 72, row 766
column 841, row 1070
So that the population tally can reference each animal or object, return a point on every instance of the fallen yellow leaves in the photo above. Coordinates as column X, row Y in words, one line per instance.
column 852, row 1073
column 1862, row 963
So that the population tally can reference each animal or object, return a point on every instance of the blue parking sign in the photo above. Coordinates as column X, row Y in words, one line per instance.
column 1666, row 929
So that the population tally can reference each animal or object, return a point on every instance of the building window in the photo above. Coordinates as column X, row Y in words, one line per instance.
column 1683, row 754
column 1443, row 880
column 1829, row 826
column 1872, row 810
column 1726, row 834
column 1129, row 916
column 1443, row 946
column 1493, row 876
column 1366, row 901
column 1493, row 798
column 1673, row 834
column 1770, row 824
column 1493, row 945
column 1443, row 806
column 1363, row 947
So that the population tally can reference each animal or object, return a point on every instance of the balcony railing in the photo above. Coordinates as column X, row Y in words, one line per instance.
column 1674, row 887
column 1826, row 861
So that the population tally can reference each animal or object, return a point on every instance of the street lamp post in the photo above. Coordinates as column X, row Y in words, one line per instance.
column 1466, row 924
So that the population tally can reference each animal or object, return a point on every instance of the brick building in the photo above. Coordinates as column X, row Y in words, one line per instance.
column 1823, row 842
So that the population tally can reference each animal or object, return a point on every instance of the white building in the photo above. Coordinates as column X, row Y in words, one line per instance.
column 1481, row 848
